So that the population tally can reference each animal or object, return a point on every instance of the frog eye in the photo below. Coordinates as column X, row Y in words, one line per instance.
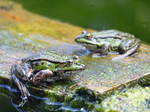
column 84, row 32
column 70, row 62
column 88, row 36
column 75, row 57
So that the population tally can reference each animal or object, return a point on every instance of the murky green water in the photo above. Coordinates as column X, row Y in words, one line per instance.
column 125, row 15
column 6, row 105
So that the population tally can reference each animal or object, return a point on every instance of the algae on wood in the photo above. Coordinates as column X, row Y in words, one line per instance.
column 23, row 34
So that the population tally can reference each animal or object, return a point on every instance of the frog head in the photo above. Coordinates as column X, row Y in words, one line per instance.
column 69, row 67
column 89, row 40
column 59, row 64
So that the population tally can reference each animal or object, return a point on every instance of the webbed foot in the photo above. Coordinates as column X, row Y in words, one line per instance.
column 24, row 92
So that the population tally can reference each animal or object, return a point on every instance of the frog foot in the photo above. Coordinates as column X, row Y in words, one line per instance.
column 24, row 92
column 128, row 53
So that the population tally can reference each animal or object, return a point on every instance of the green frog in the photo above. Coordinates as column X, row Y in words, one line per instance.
column 39, row 69
column 109, row 41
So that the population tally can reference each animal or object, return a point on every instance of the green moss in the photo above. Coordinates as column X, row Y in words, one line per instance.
column 4, row 80
column 86, row 93
column 68, row 99
column 134, row 99
column 76, row 103
column 55, row 96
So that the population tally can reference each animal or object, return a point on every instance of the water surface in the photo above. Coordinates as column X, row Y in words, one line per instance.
column 125, row 15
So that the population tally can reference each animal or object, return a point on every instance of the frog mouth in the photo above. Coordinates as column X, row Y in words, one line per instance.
column 71, row 71
column 84, row 41
column 87, row 43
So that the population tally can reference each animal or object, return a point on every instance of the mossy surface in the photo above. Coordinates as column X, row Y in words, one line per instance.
column 23, row 34
column 134, row 99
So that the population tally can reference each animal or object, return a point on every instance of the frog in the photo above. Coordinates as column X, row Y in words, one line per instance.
column 40, row 69
column 109, row 41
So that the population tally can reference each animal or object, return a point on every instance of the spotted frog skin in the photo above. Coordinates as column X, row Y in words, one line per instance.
column 42, row 68
column 108, row 41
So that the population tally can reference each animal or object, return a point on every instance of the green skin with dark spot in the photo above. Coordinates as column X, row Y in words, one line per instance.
column 51, row 61
column 108, row 41
column 46, row 67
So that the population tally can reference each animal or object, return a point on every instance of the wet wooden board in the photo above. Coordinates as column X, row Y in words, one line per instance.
column 22, row 35
column 102, row 73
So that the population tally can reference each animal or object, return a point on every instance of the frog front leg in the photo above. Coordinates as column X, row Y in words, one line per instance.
column 17, row 73
column 104, row 49
column 41, row 77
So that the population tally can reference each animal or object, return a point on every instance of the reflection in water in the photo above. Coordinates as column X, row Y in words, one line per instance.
column 8, row 88
column 41, row 104
column 6, row 105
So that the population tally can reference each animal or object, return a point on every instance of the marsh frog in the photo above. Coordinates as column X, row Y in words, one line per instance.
column 39, row 69
column 109, row 41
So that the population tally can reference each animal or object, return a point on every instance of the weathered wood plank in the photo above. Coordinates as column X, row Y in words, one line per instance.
column 23, row 34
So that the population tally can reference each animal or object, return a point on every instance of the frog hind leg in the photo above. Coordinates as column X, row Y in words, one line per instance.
column 41, row 76
column 128, row 44
column 24, row 92
column 129, row 52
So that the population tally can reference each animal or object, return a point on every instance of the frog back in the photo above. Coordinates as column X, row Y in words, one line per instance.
column 114, row 34
column 112, row 37
column 47, row 56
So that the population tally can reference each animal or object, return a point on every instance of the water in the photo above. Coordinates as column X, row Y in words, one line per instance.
column 6, row 105
column 125, row 15
column 40, row 104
